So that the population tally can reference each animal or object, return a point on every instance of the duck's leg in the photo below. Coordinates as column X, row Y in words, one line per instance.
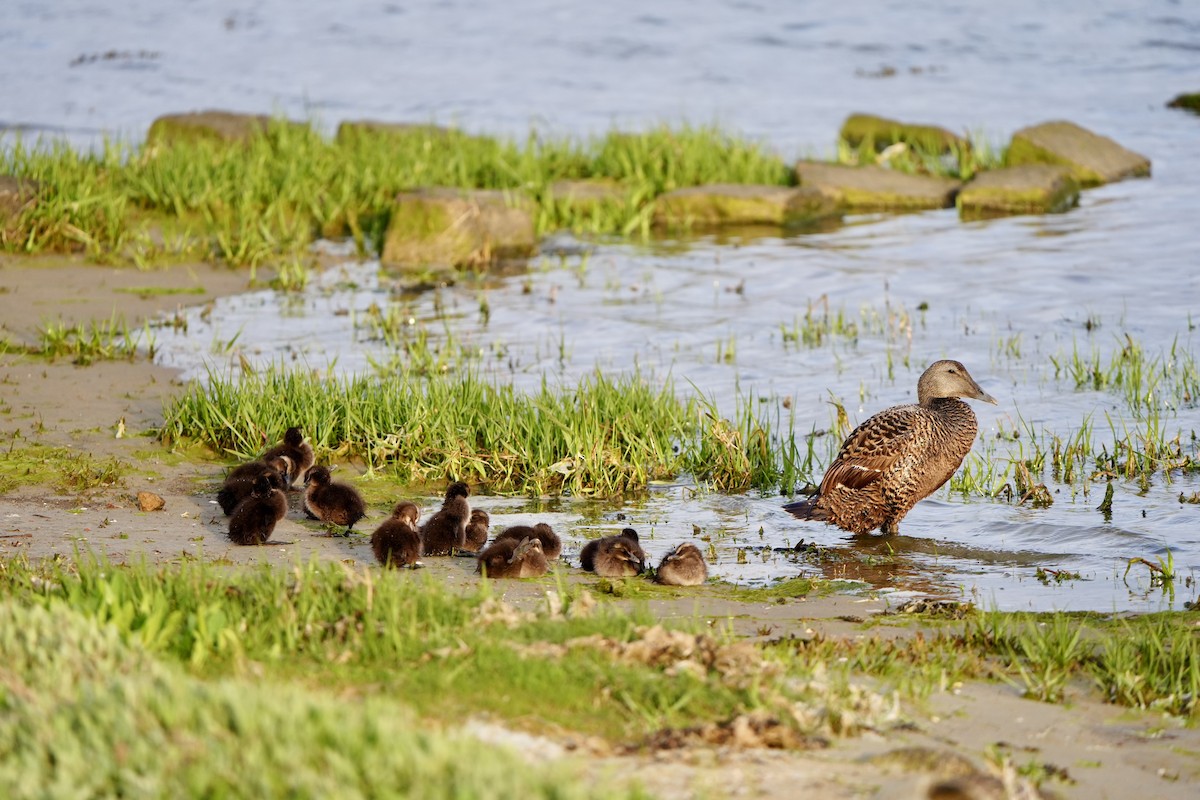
column 890, row 527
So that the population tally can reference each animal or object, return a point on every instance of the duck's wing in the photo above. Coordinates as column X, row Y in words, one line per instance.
column 873, row 448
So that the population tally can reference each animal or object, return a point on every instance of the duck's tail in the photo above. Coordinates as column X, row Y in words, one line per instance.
column 807, row 509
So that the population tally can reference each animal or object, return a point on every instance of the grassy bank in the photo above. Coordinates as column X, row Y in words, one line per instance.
column 309, row 681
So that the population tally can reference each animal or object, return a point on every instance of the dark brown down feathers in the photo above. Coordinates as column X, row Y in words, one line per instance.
column 899, row 456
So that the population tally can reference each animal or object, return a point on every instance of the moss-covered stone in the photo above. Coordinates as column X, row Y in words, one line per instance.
column 213, row 126
column 1092, row 159
column 1027, row 189
column 740, row 204
column 878, row 133
column 451, row 228
column 1188, row 102
column 873, row 188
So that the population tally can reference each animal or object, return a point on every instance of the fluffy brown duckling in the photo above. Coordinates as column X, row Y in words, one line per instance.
column 396, row 542
column 477, row 531
column 510, row 558
column 551, row 543
column 253, row 521
column 298, row 450
column 446, row 530
column 683, row 566
column 330, row 501
column 239, row 483
column 614, row 556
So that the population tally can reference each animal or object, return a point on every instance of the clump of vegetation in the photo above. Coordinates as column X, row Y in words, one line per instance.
column 68, row 471
column 603, row 437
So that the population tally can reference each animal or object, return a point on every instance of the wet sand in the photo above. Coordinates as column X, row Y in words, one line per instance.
column 1108, row 751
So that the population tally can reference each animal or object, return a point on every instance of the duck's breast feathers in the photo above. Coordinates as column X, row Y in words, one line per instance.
column 875, row 447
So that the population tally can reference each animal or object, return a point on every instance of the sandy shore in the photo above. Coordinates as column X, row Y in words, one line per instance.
column 1107, row 751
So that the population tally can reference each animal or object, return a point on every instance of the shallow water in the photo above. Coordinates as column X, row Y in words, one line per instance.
column 1004, row 296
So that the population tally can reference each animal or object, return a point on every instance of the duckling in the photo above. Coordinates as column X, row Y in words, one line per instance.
column 551, row 543
column 396, row 542
column 614, row 556
column 898, row 457
column 254, row 519
column 683, row 566
column 239, row 483
column 447, row 529
column 296, row 448
column 477, row 531
column 510, row 558
column 327, row 501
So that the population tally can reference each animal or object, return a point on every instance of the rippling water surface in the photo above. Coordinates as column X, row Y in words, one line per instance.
column 1010, row 298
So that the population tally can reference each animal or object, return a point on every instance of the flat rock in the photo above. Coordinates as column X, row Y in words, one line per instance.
column 215, row 126
column 874, row 188
column 742, row 204
column 861, row 130
column 1092, row 159
column 1027, row 189
column 451, row 228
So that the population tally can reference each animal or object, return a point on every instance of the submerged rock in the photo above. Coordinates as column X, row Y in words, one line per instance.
column 215, row 126
column 1027, row 189
column 1092, row 159
column 878, row 133
column 1189, row 101
column 451, row 228
column 741, row 204
column 873, row 188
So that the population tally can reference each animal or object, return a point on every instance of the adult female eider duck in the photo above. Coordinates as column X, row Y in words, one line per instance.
column 396, row 543
column 683, row 566
column 298, row 450
column 899, row 456
column 332, row 502
column 446, row 530
column 253, row 521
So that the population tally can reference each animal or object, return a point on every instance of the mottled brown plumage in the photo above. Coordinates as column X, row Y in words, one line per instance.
column 396, row 543
column 239, row 483
column 899, row 456
column 298, row 451
column 253, row 521
column 551, row 543
column 446, row 531
column 332, row 502
column 510, row 558
column 683, row 566
column 477, row 531
column 614, row 556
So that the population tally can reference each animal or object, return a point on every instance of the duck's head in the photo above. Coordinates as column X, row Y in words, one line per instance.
column 631, row 533
column 526, row 548
column 686, row 552
column 406, row 512
column 318, row 476
column 457, row 489
column 293, row 437
column 949, row 379
column 480, row 517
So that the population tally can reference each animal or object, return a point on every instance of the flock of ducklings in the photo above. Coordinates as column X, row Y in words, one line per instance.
column 253, row 497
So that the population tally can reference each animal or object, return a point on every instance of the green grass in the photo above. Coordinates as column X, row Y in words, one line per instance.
column 68, row 471
column 266, row 200
column 603, row 437
column 90, row 712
